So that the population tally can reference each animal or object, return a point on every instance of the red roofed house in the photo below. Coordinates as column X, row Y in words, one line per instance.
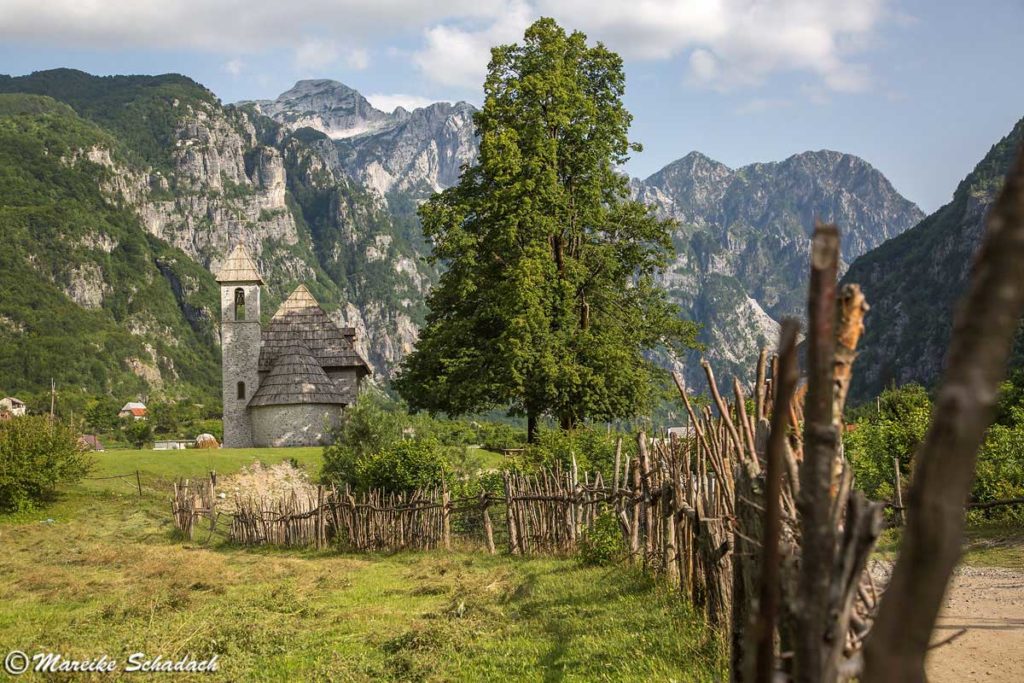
column 133, row 410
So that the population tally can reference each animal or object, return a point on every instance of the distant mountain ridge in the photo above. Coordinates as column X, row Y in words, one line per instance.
column 743, row 241
column 743, row 237
column 323, row 188
column 330, row 107
column 913, row 282
column 421, row 152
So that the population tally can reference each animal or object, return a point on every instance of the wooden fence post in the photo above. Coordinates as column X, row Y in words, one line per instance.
column 488, row 529
column 446, row 524
column 510, row 520
column 900, row 512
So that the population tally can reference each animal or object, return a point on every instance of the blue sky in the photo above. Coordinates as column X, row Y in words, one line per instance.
column 919, row 89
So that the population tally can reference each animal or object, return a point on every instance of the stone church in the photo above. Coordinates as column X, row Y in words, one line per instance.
column 288, row 383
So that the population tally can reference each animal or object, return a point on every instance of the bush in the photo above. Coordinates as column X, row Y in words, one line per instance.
column 372, row 425
column 404, row 466
column 1000, row 473
column 136, row 432
column 37, row 455
column 497, row 436
column 379, row 445
column 895, row 431
column 602, row 543
column 592, row 447
column 898, row 427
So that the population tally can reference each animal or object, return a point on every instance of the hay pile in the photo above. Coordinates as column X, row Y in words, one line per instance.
column 270, row 484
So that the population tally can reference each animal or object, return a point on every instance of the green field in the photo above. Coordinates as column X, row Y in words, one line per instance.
column 101, row 572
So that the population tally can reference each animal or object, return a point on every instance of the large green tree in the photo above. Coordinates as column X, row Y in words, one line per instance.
column 548, row 302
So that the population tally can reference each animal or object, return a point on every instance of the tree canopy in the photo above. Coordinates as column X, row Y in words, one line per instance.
column 548, row 303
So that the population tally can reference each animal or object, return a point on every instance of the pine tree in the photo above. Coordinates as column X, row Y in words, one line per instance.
column 548, row 301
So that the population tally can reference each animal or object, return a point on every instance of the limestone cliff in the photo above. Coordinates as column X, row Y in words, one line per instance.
column 742, row 241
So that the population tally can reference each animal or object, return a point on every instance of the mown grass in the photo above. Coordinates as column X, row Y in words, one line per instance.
column 986, row 544
column 101, row 571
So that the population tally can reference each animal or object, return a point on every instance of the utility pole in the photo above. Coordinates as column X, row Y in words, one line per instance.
column 53, row 397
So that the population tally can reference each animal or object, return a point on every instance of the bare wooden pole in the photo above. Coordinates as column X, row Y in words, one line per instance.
column 985, row 327
column 764, row 630
column 820, row 445
column 446, row 513
column 488, row 529
column 900, row 512
column 760, row 398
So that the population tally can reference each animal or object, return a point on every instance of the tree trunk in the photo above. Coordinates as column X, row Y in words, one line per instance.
column 531, row 426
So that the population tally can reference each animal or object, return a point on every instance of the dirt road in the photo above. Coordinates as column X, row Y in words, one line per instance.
column 989, row 603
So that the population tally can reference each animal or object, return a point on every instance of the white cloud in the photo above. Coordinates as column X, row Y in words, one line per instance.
column 726, row 44
column 234, row 66
column 223, row 26
column 314, row 55
column 458, row 56
column 722, row 44
column 736, row 43
column 388, row 102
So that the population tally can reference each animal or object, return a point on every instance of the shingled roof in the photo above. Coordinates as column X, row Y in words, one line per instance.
column 300, row 320
column 239, row 267
column 296, row 377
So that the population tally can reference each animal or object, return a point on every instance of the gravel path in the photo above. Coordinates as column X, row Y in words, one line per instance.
column 989, row 603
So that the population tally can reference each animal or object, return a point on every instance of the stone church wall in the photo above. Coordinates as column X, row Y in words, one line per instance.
column 307, row 424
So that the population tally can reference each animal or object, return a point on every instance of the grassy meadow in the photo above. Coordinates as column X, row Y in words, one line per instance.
column 101, row 571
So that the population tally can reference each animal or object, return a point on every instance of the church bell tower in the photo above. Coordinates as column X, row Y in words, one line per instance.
column 240, row 335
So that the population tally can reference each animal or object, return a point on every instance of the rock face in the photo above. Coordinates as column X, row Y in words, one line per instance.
column 743, row 238
column 914, row 281
column 419, row 152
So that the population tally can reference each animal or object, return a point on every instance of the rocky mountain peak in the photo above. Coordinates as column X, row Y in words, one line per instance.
column 328, row 106
column 742, row 242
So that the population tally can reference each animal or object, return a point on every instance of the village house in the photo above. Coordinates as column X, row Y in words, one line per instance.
column 12, row 407
column 134, row 410
column 288, row 383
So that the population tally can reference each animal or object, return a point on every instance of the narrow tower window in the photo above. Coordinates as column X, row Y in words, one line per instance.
column 241, row 390
column 239, row 304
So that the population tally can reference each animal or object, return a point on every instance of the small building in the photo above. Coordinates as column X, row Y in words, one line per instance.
column 171, row 445
column 90, row 442
column 684, row 432
column 12, row 406
column 285, row 384
column 134, row 410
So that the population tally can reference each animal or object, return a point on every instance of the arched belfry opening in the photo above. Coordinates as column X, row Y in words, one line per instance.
column 241, row 391
column 239, row 304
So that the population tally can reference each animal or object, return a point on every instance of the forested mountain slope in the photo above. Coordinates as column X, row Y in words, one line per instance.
column 913, row 282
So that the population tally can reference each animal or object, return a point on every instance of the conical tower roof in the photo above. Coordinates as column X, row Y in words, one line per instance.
column 300, row 320
column 298, row 300
column 239, row 267
column 296, row 377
